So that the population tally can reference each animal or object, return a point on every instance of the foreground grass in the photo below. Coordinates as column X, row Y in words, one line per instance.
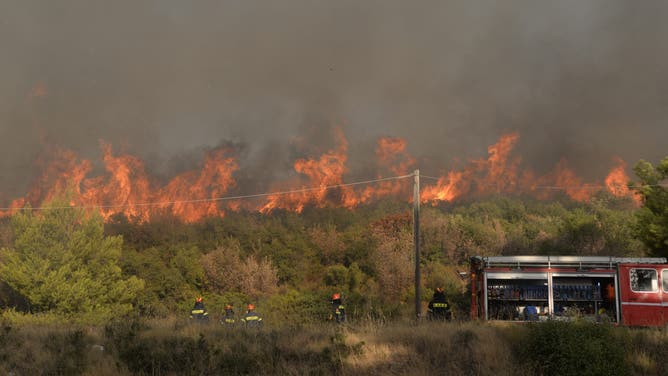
column 176, row 347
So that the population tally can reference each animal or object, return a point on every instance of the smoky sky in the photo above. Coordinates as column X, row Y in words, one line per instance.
column 166, row 80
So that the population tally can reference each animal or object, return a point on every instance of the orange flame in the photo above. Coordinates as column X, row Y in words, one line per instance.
column 128, row 190
column 448, row 188
column 393, row 158
column 321, row 173
column 567, row 179
column 499, row 173
column 191, row 196
column 617, row 182
column 496, row 174
column 392, row 154
column 127, row 185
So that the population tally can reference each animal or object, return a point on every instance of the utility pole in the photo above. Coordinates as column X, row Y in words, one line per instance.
column 416, row 242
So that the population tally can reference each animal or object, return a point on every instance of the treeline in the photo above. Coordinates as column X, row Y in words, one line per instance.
column 70, row 263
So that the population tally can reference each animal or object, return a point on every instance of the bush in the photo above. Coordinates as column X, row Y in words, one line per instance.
column 572, row 348
column 296, row 309
column 52, row 350
column 217, row 350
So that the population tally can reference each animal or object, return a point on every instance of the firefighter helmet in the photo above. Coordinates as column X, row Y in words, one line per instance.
column 251, row 307
column 229, row 306
column 336, row 296
column 199, row 299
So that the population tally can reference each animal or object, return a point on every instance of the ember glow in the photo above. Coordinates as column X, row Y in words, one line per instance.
column 127, row 188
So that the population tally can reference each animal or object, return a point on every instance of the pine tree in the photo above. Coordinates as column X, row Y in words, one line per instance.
column 653, row 216
column 63, row 263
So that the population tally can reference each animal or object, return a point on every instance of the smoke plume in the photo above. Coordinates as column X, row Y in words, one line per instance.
column 168, row 80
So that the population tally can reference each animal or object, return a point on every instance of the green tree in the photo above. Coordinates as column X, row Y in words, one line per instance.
column 63, row 263
column 580, row 233
column 652, row 226
column 166, row 287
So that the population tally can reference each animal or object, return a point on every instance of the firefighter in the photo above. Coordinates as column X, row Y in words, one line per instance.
column 602, row 315
column 338, row 310
column 530, row 313
column 438, row 308
column 610, row 297
column 199, row 312
column 252, row 319
column 228, row 316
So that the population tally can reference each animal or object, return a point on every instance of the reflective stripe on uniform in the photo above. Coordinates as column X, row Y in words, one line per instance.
column 440, row 305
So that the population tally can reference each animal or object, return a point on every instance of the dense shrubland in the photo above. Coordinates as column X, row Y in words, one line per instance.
column 83, row 296
column 68, row 262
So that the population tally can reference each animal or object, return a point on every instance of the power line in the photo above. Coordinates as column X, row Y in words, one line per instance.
column 215, row 199
column 302, row 190
column 429, row 177
column 563, row 187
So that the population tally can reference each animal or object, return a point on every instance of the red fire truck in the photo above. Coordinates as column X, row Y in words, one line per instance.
column 627, row 291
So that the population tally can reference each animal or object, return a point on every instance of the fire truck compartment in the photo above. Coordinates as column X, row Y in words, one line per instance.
column 536, row 288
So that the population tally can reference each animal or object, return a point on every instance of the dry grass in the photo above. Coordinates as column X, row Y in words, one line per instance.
column 430, row 348
column 648, row 350
column 43, row 349
column 173, row 346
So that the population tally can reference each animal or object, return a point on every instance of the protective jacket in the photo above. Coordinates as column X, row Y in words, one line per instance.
column 338, row 311
column 199, row 311
column 228, row 317
column 252, row 319
column 438, row 308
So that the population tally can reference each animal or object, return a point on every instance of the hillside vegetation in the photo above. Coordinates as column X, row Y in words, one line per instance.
column 288, row 264
column 85, row 296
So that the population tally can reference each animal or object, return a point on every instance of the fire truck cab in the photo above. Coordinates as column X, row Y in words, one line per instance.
column 627, row 291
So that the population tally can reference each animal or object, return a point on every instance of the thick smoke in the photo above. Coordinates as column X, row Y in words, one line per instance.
column 165, row 80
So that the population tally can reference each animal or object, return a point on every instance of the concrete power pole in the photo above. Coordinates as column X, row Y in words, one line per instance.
column 416, row 242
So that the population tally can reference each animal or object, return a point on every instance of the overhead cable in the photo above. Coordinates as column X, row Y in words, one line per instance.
column 214, row 199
